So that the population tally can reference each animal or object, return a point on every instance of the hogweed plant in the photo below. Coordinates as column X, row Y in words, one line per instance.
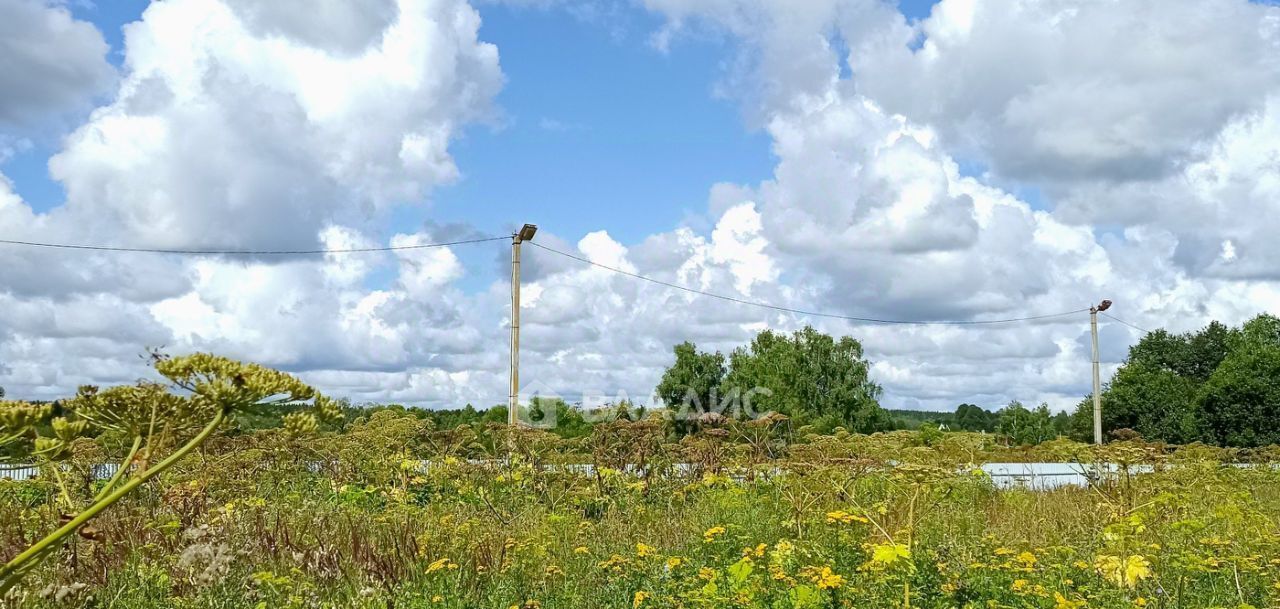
column 161, row 424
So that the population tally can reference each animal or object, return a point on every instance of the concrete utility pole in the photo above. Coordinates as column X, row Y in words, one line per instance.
column 525, row 234
column 1097, row 379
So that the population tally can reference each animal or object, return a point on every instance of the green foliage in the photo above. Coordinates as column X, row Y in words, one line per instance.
column 693, row 382
column 164, row 427
column 1240, row 403
column 809, row 376
column 1214, row 385
column 969, row 417
column 1027, row 427
column 504, row 517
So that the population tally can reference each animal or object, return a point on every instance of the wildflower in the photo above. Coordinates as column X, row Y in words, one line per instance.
column 712, row 533
column 1027, row 559
column 1003, row 551
column 639, row 599
column 706, row 573
column 843, row 517
column 777, row 573
column 581, row 550
column 1126, row 571
column 643, row 550
column 757, row 551
column 615, row 563
column 437, row 598
column 782, row 550
column 1062, row 602
column 825, row 578
column 442, row 563
column 673, row 562
column 1021, row 586
column 554, row 570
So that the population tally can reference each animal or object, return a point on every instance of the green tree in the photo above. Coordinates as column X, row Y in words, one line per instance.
column 692, row 383
column 970, row 417
column 1240, row 402
column 1154, row 391
column 1157, row 403
column 1024, row 426
column 808, row 376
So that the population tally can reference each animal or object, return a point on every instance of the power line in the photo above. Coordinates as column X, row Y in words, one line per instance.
column 764, row 305
column 145, row 250
column 1143, row 330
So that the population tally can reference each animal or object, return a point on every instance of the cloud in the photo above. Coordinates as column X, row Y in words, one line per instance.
column 227, row 135
column 240, row 125
column 53, row 64
column 1103, row 109
column 1078, row 90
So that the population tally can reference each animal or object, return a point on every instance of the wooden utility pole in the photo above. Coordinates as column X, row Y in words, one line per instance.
column 513, row 403
column 1097, row 377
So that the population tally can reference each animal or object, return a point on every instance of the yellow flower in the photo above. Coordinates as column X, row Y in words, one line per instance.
column 1126, row 571
column 1141, row 602
column 757, row 551
column 673, row 562
column 1021, row 586
column 826, row 579
column 706, row 573
column 554, row 570
column 615, row 563
column 712, row 533
column 581, row 550
column 1061, row 602
column 1027, row 559
column 1002, row 551
column 437, row 598
column 442, row 563
column 783, row 549
column 639, row 598
column 643, row 550
column 843, row 517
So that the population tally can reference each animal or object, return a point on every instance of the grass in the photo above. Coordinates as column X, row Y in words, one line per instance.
column 351, row 520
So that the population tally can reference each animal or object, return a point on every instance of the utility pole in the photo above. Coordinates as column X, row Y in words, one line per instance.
column 1097, row 377
column 526, row 234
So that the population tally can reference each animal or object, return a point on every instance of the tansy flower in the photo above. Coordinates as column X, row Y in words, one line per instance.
column 442, row 563
column 826, row 579
column 712, row 533
column 581, row 550
column 1061, row 602
column 639, row 598
column 1020, row 586
column 673, row 562
column 843, row 517
column 643, row 550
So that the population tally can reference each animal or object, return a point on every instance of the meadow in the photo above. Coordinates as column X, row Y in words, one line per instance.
column 392, row 513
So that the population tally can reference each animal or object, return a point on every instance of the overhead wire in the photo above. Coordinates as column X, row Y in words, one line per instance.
column 727, row 298
column 194, row 252
column 1140, row 329
column 780, row 308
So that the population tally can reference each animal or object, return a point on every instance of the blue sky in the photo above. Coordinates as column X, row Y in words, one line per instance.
column 598, row 129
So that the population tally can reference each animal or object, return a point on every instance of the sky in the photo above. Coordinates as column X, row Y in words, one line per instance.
column 961, row 160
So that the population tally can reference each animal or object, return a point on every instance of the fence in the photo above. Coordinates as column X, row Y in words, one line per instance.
column 1036, row 476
